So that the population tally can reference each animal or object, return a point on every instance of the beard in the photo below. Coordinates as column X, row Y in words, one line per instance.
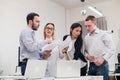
column 33, row 27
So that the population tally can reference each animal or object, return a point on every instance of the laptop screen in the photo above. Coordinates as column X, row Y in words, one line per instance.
column 36, row 68
column 67, row 69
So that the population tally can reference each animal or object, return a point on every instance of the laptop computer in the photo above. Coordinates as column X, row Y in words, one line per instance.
column 68, row 69
column 36, row 69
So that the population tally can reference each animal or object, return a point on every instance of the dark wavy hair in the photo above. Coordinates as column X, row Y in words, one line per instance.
column 78, row 43
column 76, row 25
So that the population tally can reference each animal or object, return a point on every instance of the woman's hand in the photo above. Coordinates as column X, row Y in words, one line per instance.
column 65, row 50
column 47, row 53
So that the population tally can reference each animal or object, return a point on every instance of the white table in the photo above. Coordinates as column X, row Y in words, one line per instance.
column 80, row 78
column 24, row 78
column 12, row 77
column 83, row 78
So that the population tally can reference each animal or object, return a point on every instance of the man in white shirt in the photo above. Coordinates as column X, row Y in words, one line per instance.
column 99, row 48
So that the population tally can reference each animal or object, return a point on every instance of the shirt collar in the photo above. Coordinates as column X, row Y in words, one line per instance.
column 95, row 32
column 30, row 29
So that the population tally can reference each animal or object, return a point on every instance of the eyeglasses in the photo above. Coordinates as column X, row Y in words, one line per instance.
column 49, row 28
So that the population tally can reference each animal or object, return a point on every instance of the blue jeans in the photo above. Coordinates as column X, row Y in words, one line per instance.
column 23, row 67
column 102, row 70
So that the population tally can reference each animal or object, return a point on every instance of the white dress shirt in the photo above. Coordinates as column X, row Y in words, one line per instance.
column 52, row 60
column 99, row 44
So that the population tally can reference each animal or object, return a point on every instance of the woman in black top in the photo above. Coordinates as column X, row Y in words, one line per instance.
column 76, row 45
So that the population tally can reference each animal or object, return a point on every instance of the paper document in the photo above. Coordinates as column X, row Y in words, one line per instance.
column 65, row 43
column 61, row 44
column 51, row 46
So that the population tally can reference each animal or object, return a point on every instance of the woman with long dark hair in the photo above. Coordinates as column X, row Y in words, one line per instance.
column 74, row 50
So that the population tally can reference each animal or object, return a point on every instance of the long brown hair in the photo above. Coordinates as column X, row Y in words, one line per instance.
column 53, row 35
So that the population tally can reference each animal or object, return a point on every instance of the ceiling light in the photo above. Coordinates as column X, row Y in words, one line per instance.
column 95, row 10
column 83, row 12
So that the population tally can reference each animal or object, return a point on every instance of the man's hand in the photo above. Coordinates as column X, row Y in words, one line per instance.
column 99, row 61
column 47, row 53
column 90, row 57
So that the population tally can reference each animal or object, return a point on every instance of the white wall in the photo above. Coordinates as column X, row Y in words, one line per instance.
column 13, row 20
column 110, row 9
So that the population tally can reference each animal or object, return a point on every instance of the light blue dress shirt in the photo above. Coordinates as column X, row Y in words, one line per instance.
column 29, row 48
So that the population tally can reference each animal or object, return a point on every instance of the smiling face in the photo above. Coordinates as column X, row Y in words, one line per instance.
column 49, row 31
column 76, row 32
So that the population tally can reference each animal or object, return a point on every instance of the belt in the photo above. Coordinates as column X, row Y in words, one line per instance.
column 25, row 60
column 92, row 63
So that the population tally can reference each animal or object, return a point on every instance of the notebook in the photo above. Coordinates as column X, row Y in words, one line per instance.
column 68, row 69
column 36, row 69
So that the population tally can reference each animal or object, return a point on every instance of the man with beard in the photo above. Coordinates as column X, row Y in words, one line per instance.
column 29, row 48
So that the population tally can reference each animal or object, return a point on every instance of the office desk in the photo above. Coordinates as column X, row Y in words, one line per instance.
column 80, row 78
column 13, row 78
column 83, row 78
column 24, row 78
